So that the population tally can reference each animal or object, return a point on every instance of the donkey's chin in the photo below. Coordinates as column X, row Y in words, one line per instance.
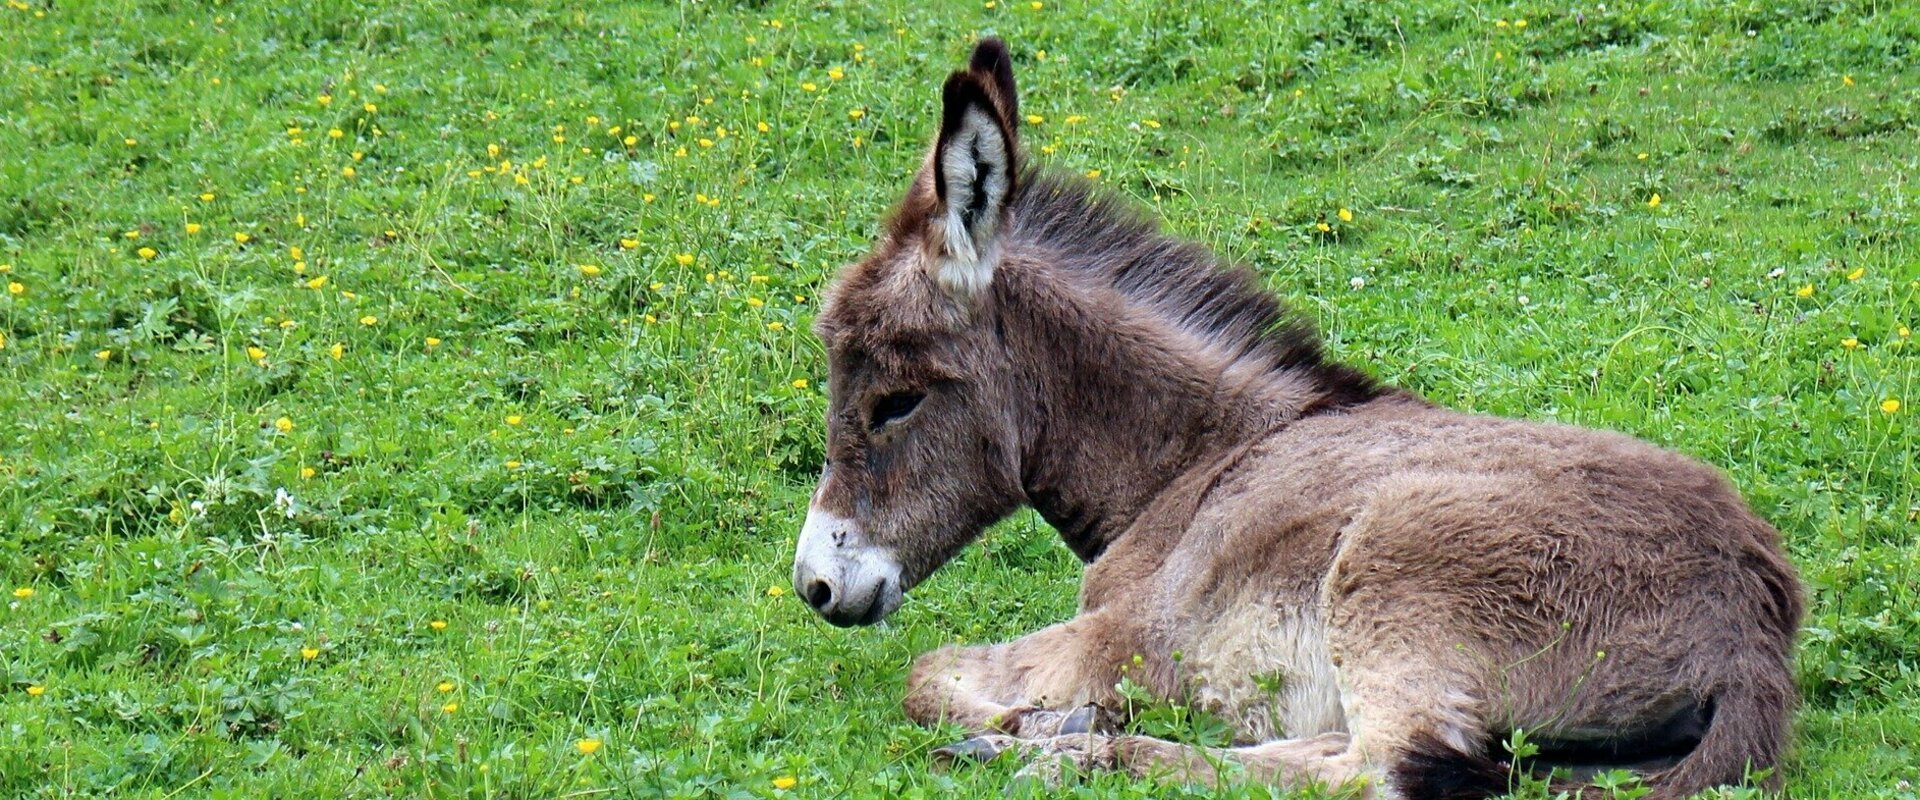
column 885, row 599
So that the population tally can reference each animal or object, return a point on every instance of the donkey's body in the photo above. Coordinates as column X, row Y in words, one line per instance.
column 1366, row 585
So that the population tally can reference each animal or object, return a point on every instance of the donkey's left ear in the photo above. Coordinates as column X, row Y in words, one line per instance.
column 975, row 168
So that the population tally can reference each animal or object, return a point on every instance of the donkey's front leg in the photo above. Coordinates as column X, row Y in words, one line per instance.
column 1038, row 686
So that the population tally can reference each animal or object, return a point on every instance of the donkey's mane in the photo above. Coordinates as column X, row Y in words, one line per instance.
column 1111, row 243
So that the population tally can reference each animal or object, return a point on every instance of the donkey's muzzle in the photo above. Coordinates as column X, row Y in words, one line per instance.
column 846, row 580
column 838, row 607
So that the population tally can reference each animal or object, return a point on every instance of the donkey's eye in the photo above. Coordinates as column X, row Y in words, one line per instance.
column 893, row 407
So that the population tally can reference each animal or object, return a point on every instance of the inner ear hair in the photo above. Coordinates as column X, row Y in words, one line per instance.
column 975, row 169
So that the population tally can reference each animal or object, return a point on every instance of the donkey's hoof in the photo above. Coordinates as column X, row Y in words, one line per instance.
column 1089, row 718
column 979, row 749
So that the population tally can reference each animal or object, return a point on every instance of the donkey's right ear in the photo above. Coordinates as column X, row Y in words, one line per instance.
column 975, row 167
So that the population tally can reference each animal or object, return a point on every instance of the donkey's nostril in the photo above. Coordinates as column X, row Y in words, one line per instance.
column 819, row 594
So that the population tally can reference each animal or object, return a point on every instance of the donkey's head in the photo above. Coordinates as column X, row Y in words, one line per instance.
column 922, row 445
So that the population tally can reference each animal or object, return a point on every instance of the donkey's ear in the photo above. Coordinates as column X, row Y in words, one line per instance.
column 975, row 166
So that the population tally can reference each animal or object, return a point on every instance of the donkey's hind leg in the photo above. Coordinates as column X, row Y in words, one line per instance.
column 1037, row 686
column 1291, row 763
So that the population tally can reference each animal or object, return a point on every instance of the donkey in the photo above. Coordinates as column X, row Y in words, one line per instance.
column 1369, row 587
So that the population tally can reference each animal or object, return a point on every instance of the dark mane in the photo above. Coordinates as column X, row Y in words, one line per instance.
column 1107, row 241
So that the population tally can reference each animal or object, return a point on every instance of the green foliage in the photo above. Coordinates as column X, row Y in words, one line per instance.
column 508, row 456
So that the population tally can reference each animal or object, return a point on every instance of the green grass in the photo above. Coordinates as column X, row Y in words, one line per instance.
column 595, row 480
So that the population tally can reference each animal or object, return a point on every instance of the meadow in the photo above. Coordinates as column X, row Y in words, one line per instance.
column 416, row 400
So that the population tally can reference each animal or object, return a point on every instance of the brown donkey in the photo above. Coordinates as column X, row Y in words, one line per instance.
column 1367, row 586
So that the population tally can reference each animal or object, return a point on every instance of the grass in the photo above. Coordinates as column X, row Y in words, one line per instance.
column 492, row 437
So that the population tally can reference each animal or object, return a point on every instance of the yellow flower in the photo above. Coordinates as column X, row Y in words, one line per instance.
column 1322, row 227
column 776, row 326
column 450, row 708
column 438, row 624
column 433, row 341
column 1346, row 215
column 1499, row 23
column 23, row 592
column 861, row 112
column 309, row 653
column 348, row 172
column 512, row 464
column 325, row 100
column 296, row 252
column 587, row 747
column 762, row 127
column 255, row 353
column 1036, row 5
column 307, row 473
column 630, row 141
column 283, row 425
column 1851, row 343
column 317, row 283
column 147, row 253
column 1857, row 274
column 103, row 355
column 784, row 782
column 1094, row 174
column 1904, row 333
column 193, row 227
column 444, row 687
column 514, row 419
column 369, row 320
column 629, row 244
column 1804, row 291
column 590, row 270
column 206, row 197
column 776, row 591
column 756, row 302
column 36, row 690
column 1846, row 80
column 799, row 383
column 1151, row 123
column 684, row 259
column 646, row 197
column 1890, row 406
column 335, row 133
column 1654, row 201
column 704, row 142
column 338, row 350
column 1519, row 23
column 370, row 108
column 1642, row 156
column 809, row 86
column 131, row 234
column 1035, row 119
column 16, row 288
column 242, row 238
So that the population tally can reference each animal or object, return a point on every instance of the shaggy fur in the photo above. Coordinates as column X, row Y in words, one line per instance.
column 1369, row 586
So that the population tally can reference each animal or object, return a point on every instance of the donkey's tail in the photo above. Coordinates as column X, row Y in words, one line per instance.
column 1745, row 738
column 1752, row 718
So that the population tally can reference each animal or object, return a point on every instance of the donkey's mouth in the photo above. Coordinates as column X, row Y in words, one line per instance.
column 885, row 599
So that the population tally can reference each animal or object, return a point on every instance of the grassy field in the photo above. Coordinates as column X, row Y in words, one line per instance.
column 418, row 402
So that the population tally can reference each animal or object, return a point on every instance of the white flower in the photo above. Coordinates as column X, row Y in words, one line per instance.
column 1357, row 283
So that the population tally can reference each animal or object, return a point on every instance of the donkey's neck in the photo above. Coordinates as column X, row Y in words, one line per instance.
column 1123, row 403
